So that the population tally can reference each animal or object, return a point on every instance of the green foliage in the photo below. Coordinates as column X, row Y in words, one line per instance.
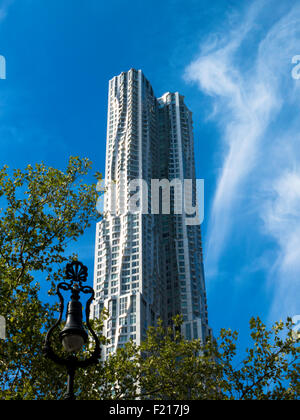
column 42, row 210
column 270, row 370
column 168, row 367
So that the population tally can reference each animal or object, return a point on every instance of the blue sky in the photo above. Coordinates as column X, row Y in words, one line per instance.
column 232, row 60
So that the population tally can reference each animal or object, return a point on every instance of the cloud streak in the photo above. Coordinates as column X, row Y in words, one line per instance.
column 247, row 74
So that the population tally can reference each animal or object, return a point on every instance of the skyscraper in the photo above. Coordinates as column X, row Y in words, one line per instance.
column 148, row 262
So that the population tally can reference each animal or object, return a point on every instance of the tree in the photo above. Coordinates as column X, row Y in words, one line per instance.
column 166, row 366
column 43, row 209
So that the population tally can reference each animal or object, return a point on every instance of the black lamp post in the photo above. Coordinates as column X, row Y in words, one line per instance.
column 73, row 336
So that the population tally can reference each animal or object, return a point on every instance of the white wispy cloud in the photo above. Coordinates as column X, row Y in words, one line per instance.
column 247, row 73
column 281, row 215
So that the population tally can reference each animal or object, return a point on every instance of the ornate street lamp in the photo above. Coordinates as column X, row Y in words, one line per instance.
column 73, row 336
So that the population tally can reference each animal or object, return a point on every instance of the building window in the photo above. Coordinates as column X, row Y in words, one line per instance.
column 123, row 305
column 123, row 321
column 133, row 304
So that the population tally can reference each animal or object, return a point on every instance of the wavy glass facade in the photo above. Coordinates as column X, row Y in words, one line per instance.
column 147, row 266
